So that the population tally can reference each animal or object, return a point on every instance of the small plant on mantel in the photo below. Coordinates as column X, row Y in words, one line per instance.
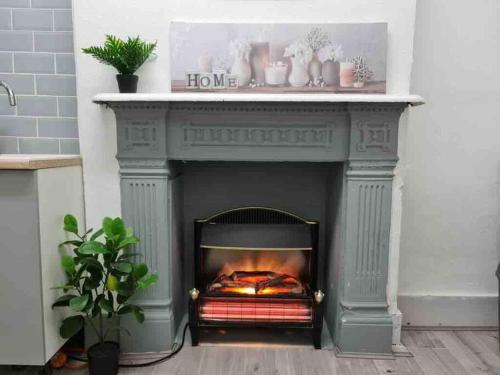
column 101, row 279
column 126, row 56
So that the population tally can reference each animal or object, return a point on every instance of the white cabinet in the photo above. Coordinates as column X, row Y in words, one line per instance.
column 33, row 203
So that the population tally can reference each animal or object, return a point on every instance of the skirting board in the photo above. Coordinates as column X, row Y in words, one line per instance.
column 449, row 311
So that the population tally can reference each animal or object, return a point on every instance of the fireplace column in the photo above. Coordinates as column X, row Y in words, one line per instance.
column 145, row 182
column 363, row 323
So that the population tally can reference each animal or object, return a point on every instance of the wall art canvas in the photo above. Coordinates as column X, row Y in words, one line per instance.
column 278, row 58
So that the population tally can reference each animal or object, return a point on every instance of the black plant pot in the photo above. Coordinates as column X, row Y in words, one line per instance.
column 103, row 358
column 127, row 83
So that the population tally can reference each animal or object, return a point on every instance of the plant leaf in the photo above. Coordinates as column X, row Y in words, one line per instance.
column 106, row 305
column 71, row 242
column 146, row 281
column 120, row 298
column 140, row 269
column 126, row 309
column 68, row 264
column 125, row 289
column 97, row 234
column 118, row 228
column 107, row 226
column 96, row 308
column 79, row 303
column 124, row 267
column 63, row 300
column 127, row 242
column 125, row 56
column 70, row 326
column 91, row 262
column 139, row 314
column 93, row 247
column 70, row 224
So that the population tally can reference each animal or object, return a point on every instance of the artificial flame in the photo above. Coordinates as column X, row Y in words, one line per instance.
column 290, row 263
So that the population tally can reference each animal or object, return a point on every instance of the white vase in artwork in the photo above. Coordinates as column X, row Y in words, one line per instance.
column 205, row 64
column 315, row 68
column 330, row 73
column 358, row 84
column 241, row 68
column 299, row 76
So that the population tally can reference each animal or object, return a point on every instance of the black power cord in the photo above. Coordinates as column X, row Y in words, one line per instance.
column 146, row 364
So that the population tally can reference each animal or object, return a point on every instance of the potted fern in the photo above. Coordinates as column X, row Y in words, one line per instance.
column 125, row 56
column 101, row 279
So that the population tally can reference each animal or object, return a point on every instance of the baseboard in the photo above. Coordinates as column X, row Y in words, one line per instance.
column 448, row 311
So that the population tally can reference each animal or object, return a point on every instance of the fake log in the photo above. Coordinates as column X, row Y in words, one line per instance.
column 256, row 282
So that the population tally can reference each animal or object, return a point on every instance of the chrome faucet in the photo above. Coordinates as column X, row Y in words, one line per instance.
column 10, row 93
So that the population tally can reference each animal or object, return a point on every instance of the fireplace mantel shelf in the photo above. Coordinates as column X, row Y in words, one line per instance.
column 106, row 98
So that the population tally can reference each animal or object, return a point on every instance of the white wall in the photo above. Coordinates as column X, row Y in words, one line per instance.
column 451, row 201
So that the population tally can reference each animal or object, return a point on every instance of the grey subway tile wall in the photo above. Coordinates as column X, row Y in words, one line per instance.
column 37, row 61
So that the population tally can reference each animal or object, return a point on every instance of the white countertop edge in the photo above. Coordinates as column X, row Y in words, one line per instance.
column 38, row 161
column 104, row 98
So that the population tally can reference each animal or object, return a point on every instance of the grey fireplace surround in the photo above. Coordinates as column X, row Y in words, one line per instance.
column 360, row 132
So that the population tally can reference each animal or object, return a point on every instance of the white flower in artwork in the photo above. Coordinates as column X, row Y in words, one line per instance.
column 317, row 38
column 331, row 52
column 300, row 52
column 239, row 49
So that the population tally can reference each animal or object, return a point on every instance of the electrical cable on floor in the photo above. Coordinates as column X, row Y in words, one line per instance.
column 145, row 364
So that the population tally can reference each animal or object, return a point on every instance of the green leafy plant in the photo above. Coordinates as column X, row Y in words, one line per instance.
column 125, row 56
column 101, row 277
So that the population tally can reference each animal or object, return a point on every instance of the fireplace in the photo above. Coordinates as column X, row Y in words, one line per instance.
column 256, row 266
column 348, row 146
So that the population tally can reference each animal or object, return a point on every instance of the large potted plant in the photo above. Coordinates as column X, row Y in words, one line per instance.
column 101, row 279
column 125, row 56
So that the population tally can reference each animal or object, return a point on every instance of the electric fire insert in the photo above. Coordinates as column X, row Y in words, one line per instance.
column 257, row 267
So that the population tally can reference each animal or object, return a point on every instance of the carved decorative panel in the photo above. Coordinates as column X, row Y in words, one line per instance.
column 369, row 215
column 368, row 262
column 140, row 133
column 374, row 135
column 320, row 136
column 145, row 206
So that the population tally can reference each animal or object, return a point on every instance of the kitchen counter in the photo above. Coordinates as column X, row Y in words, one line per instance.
column 32, row 162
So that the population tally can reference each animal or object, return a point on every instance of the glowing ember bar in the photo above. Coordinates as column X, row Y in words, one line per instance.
column 221, row 309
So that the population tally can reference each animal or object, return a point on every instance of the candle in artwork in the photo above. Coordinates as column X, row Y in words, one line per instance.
column 259, row 59
column 346, row 74
column 275, row 74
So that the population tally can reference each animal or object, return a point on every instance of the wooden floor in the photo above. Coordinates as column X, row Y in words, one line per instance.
column 434, row 352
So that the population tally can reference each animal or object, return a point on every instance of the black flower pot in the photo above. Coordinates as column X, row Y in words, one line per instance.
column 127, row 83
column 103, row 358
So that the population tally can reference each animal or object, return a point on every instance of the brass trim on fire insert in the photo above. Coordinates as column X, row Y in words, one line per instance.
column 256, row 248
